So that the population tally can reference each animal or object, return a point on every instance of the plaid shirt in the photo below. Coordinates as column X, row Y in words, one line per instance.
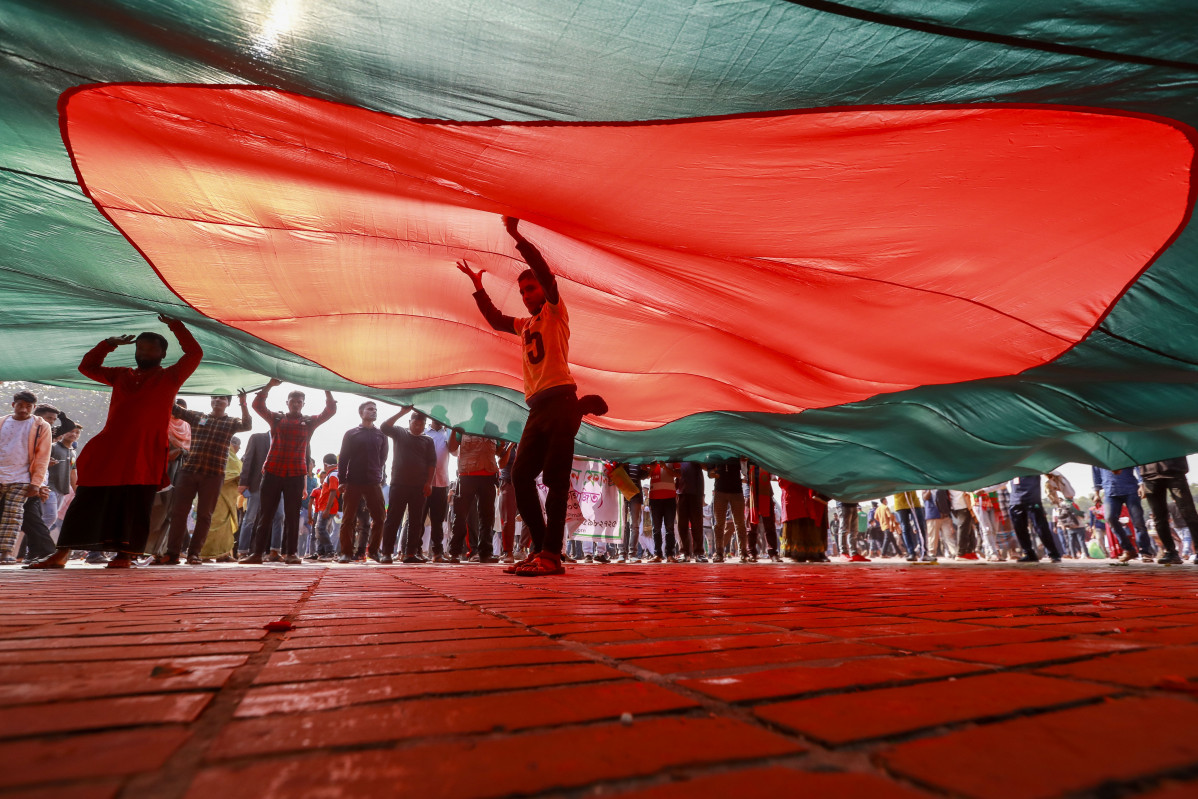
column 210, row 439
column 289, row 436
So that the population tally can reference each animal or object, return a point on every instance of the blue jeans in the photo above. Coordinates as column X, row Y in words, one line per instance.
column 914, row 524
column 1112, row 506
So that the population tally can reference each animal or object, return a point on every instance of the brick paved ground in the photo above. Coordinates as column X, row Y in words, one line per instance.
column 681, row 681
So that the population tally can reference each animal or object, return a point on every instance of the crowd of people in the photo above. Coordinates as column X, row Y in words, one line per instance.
column 161, row 483
column 220, row 504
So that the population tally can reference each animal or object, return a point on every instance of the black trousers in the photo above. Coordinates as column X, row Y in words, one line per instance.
column 355, row 495
column 475, row 497
column 436, row 506
column 771, row 535
column 661, row 515
column 546, row 448
column 690, row 524
column 38, row 543
column 289, row 490
column 189, row 486
column 1157, row 492
column 402, row 500
column 1020, row 516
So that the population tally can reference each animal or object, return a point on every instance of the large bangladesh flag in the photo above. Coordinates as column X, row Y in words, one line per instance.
column 870, row 245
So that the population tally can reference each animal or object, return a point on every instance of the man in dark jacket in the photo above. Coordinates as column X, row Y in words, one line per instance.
column 250, row 486
column 1161, row 480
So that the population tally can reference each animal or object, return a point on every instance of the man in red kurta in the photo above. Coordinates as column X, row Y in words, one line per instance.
column 124, row 465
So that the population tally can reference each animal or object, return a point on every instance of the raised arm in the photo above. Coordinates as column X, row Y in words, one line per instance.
column 504, row 324
column 193, row 353
column 92, row 366
column 455, row 440
column 189, row 416
column 388, row 425
column 245, row 424
column 532, row 256
column 330, row 408
column 260, row 402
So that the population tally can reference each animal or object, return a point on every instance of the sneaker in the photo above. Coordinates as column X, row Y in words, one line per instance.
column 313, row 557
column 589, row 559
column 859, row 558
column 344, row 559
column 95, row 558
column 251, row 560
column 325, row 558
column 1055, row 559
column 700, row 559
column 1146, row 559
column 386, row 560
column 602, row 558
column 634, row 560
column 452, row 559
column 654, row 559
column 1126, row 557
column 928, row 559
column 911, row 558
column 413, row 559
column 1029, row 558
column 994, row 559
column 292, row 560
column 438, row 557
column 1170, row 559
column 717, row 558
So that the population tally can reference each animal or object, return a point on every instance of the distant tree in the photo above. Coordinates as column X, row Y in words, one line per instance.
column 83, row 406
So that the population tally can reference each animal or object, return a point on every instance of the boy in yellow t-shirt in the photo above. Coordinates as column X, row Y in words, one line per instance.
column 554, row 409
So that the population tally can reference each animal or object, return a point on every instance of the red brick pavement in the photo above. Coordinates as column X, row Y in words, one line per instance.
column 662, row 681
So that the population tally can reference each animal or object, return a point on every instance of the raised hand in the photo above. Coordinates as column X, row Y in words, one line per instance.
column 118, row 341
column 475, row 277
column 169, row 321
column 241, row 395
column 509, row 224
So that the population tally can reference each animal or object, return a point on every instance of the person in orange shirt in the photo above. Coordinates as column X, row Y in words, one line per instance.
column 555, row 410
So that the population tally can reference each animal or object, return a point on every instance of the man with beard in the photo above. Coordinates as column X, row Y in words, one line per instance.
column 124, row 465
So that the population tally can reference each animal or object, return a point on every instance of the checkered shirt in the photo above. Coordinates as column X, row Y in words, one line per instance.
column 210, row 439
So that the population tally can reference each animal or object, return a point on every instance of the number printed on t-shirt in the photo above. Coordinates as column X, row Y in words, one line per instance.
column 536, row 345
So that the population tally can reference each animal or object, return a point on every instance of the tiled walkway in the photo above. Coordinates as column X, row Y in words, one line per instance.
column 680, row 681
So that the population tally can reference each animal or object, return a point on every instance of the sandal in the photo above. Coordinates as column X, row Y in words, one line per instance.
column 518, row 564
column 541, row 566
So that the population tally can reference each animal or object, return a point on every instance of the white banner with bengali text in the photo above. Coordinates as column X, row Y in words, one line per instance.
column 593, row 510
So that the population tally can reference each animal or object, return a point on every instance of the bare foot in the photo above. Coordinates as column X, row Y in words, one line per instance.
column 55, row 560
